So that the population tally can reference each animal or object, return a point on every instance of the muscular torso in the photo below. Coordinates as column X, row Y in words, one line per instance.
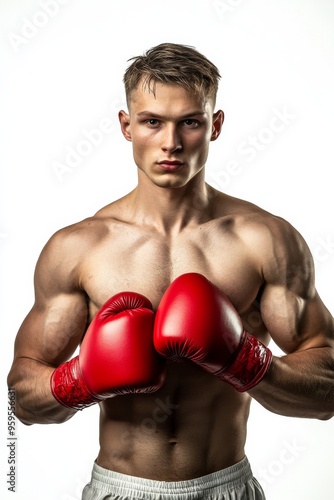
column 195, row 424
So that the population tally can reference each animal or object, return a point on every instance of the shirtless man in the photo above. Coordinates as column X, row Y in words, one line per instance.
column 158, row 245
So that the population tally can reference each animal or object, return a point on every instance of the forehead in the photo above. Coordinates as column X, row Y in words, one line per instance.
column 167, row 97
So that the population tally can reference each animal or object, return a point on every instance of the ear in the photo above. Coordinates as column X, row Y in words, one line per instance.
column 124, row 120
column 217, row 123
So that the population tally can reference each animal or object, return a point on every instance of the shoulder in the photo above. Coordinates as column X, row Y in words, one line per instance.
column 250, row 220
column 267, row 231
column 276, row 246
column 75, row 238
column 280, row 249
column 64, row 253
column 79, row 237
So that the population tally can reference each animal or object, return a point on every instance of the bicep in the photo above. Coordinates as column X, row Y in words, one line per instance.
column 291, row 308
column 51, row 331
column 57, row 321
column 296, row 322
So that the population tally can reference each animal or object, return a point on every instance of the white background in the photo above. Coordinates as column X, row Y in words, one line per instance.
column 62, row 68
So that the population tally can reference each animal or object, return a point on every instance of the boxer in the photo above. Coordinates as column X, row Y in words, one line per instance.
column 172, row 294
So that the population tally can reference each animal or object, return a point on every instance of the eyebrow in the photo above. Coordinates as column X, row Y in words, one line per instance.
column 146, row 114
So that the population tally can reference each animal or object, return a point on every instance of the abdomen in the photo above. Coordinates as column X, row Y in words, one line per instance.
column 194, row 425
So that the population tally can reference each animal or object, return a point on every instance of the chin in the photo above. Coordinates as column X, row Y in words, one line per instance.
column 169, row 183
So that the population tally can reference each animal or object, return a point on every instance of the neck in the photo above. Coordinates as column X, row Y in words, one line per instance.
column 171, row 209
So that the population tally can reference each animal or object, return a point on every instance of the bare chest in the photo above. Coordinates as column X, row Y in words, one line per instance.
column 146, row 263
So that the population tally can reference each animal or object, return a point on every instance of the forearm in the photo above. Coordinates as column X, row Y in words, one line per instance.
column 34, row 402
column 299, row 385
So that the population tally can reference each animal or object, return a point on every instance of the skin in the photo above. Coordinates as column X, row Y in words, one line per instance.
column 173, row 223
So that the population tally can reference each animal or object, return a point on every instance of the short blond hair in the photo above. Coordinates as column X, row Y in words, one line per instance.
column 173, row 64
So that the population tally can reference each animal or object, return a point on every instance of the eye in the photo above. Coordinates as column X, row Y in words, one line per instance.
column 191, row 122
column 152, row 122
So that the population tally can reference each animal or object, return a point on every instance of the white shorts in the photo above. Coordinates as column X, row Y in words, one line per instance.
column 234, row 483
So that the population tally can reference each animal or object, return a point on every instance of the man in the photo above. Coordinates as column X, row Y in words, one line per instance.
column 181, row 299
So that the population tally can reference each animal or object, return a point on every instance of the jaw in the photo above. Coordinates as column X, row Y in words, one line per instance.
column 180, row 179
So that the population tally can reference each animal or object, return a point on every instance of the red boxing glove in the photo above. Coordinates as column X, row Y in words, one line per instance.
column 195, row 320
column 116, row 356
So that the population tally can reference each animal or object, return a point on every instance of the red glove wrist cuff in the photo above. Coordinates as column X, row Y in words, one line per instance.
column 250, row 365
column 69, row 388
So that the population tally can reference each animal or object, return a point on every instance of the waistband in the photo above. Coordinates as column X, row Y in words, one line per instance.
column 223, row 480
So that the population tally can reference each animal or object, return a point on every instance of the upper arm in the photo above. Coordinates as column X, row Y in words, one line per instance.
column 291, row 308
column 56, row 323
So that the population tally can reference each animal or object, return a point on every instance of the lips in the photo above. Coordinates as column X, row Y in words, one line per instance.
column 170, row 165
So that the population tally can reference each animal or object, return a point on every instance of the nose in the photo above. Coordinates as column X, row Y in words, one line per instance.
column 171, row 140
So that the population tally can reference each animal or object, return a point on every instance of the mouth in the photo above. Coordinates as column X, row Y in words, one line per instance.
column 170, row 165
